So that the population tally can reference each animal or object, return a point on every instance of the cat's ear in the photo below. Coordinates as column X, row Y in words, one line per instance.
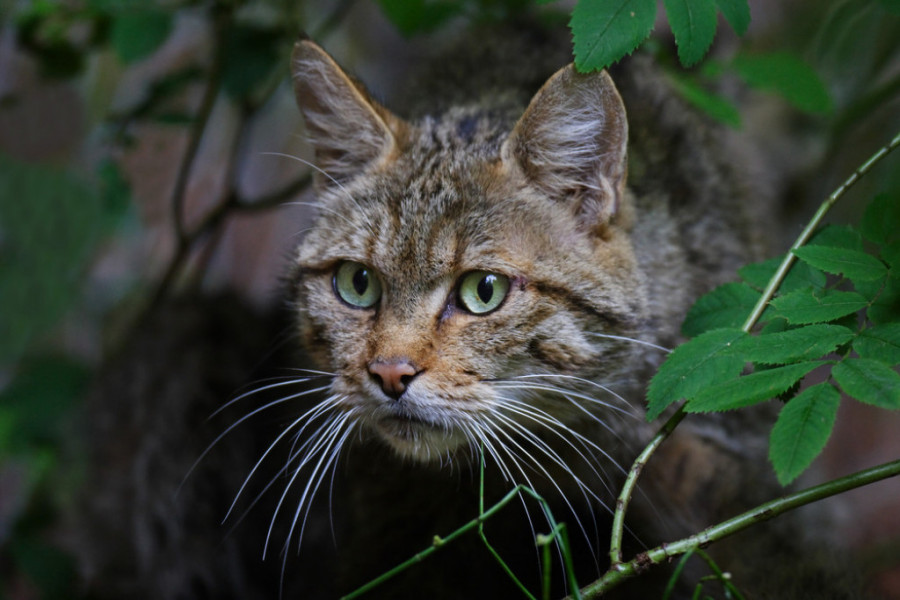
column 571, row 144
column 348, row 129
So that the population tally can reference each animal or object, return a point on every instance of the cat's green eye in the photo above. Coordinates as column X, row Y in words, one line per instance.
column 481, row 292
column 357, row 285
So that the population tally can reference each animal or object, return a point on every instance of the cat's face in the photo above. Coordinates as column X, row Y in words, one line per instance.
column 459, row 277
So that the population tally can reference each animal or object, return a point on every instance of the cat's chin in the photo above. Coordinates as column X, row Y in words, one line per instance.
column 418, row 440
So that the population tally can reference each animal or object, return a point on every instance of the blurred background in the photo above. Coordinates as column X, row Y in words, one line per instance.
column 149, row 148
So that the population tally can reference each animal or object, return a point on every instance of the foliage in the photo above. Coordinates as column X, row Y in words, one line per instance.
column 48, row 242
column 604, row 31
column 35, row 409
column 845, row 325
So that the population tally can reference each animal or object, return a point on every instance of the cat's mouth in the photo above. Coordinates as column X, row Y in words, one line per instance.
column 404, row 426
column 412, row 437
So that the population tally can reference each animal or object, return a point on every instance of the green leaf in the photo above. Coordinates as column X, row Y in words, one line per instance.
column 603, row 31
column 886, row 307
column 717, row 107
column 251, row 56
column 852, row 264
column 800, row 275
column 891, row 255
column 880, row 220
column 51, row 570
column 691, row 366
column 793, row 345
column 419, row 16
column 803, row 307
column 728, row 305
column 119, row 6
column 737, row 13
column 775, row 325
column 788, row 76
column 838, row 236
column 881, row 343
column 138, row 34
column 749, row 389
column 115, row 191
column 802, row 429
column 174, row 118
column 38, row 400
column 891, row 6
column 48, row 235
column 869, row 381
column 693, row 23
column 59, row 59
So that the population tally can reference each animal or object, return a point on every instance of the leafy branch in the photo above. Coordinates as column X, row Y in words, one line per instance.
column 603, row 31
column 685, row 373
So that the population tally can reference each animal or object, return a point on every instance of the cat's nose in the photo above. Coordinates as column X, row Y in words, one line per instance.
column 393, row 375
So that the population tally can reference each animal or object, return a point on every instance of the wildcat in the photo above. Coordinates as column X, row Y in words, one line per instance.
column 496, row 274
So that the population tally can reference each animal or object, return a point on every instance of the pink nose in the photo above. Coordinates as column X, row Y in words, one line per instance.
column 393, row 375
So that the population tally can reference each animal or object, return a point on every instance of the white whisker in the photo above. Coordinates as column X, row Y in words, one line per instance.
column 333, row 428
column 290, row 381
column 492, row 432
column 552, row 423
column 309, row 416
column 575, row 394
column 556, row 459
column 579, row 380
column 231, row 427
column 331, row 451
column 336, row 183
column 630, row 339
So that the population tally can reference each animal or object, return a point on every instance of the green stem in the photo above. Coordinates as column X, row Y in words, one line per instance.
column 618, row 526
column 810, row 228
column 676, row 574
column 720, row 576
column 484, row 539
column 774, row 508
column 558, row 534
column 437, row 544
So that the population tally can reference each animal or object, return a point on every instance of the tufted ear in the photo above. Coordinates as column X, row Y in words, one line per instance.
column 571, row 144
column 348, row 130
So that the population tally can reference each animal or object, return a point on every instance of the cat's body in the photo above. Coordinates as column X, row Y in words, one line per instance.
column 483, row 276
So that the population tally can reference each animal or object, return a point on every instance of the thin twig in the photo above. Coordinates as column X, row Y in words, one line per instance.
column 761, row 513
column 485, row 541
column 437, row 544
column 221, row 23
column 222, row 20
column 558, row 534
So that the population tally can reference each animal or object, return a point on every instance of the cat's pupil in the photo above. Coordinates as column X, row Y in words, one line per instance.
column 486, row 288
column 361, row 281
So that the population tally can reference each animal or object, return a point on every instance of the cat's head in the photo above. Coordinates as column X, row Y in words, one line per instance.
column 468, row 274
